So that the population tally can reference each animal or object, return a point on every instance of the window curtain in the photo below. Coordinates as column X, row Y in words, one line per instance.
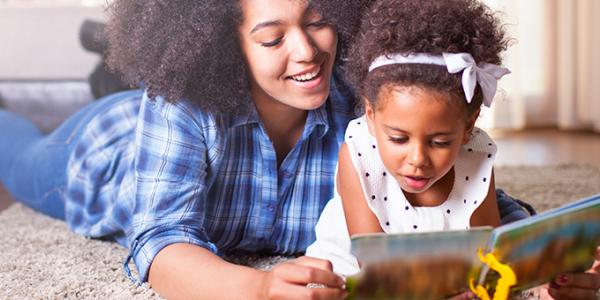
column 555, row 60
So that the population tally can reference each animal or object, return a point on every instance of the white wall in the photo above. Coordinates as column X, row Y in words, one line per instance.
column 42, row 41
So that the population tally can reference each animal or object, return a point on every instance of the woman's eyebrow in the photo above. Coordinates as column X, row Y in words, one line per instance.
column 261, row 25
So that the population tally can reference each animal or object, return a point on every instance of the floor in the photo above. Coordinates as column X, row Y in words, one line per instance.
column 547, row 147
column 531, row 147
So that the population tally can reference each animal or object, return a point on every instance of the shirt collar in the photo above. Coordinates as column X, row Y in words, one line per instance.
column 246, row 117
column 317, row 119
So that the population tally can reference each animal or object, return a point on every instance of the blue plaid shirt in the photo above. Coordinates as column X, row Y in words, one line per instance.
column 148, row 173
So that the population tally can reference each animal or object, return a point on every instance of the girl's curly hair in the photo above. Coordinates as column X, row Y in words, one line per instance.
column 188, row 49
column 423, row 26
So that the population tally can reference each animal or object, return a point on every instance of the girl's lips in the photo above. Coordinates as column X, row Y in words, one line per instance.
column 416, row 183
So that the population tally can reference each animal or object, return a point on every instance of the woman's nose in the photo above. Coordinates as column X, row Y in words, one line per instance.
column 305, row 49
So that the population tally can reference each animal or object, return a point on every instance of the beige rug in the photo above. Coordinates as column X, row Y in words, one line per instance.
column 41, row 259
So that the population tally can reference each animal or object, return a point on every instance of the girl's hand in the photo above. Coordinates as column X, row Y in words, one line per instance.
column 289, row 280
column 464, row 296
column 578, row 285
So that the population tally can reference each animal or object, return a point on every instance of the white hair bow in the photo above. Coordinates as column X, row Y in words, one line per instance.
column 487, row 75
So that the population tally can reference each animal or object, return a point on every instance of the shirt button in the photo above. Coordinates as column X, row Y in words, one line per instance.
column 271, row 207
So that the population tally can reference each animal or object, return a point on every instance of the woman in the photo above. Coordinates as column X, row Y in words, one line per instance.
column 231, row 148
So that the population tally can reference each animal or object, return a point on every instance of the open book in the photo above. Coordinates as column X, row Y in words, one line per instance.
column 437, row 265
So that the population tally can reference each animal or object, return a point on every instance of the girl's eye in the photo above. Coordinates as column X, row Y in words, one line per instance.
column 272, row 43
column 398, row 140
column 440, row 143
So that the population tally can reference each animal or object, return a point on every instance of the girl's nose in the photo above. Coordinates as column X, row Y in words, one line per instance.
column 418, row 156
column 305, row 49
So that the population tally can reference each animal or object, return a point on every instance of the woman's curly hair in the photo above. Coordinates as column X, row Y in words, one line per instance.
column 423, row 26
column 188, row 49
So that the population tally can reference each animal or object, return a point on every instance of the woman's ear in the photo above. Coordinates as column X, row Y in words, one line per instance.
column 469, row 126
column 370, row 114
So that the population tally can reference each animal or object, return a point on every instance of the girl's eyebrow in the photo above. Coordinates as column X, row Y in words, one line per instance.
column 262, row 25
column 444, row 133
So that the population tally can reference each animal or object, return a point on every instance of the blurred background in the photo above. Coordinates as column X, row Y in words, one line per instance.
column 44, row 69
column 546, row 112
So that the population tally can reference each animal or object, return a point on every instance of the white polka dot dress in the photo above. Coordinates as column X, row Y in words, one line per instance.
column 386, row 200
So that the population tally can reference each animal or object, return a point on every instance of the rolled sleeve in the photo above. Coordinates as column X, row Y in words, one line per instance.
column 170, row 184
column 145, row 248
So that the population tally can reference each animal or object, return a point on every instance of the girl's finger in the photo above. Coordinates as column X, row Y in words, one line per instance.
column 464, row 296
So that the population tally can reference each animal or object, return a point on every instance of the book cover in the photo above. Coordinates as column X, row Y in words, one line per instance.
column 436, row 265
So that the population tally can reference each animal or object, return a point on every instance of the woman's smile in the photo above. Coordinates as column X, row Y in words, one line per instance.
column 307, row 79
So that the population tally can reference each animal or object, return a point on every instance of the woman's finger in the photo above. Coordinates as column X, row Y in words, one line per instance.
column 292, row 291
column 303, row 274
column 567, row 293
column 590, row 281
column 313, row 262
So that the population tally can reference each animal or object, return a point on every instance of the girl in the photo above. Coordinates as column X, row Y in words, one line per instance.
column 415, row 160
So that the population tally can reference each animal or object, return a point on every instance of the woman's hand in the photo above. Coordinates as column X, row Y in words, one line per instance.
column 577, row 285
column 289, row 280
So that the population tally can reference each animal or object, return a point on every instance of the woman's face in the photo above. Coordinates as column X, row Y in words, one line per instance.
column 289, row 50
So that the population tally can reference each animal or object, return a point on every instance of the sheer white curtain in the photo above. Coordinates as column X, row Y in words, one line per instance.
column 555, row 59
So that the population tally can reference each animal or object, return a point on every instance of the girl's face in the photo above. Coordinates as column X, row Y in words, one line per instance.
column 419, row 134
column 289, row 51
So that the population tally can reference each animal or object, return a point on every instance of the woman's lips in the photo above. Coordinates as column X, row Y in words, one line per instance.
column 308, row 81
column 315, row 81
column 416, row 183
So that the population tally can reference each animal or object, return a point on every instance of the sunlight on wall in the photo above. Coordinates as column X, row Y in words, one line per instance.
column 525, row 25
column 53, row 2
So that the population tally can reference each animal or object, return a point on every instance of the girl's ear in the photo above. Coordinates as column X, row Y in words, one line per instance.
column 370, row 113
column 469, row 127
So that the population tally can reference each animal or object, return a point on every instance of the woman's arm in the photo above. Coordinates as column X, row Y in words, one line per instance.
column 184, row 271
column 359, row 217
column 487, row 213
column 169, row 244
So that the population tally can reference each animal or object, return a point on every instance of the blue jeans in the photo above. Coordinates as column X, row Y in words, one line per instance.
column 33, row 165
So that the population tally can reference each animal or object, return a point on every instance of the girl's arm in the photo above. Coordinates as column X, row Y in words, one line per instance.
column 359, row 217
column 487, row 213
column 185, row 271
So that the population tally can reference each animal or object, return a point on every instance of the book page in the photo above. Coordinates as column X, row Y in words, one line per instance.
column 539, row 248
column 416, row 265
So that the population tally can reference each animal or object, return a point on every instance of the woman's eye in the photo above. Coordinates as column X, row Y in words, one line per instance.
column 318, row 24
column 272, row 43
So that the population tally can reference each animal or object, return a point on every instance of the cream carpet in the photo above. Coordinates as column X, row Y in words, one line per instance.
column 41, row 259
